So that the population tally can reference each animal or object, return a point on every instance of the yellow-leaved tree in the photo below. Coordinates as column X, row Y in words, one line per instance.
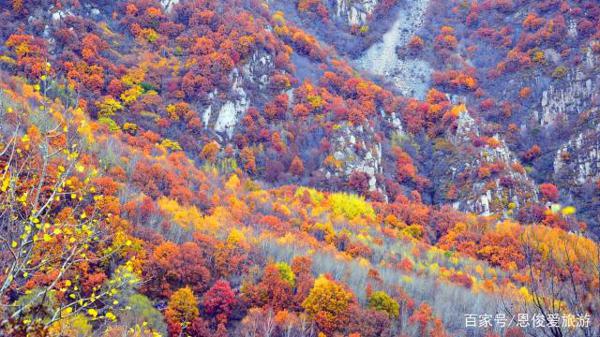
column 183, row 307
column 328, row 303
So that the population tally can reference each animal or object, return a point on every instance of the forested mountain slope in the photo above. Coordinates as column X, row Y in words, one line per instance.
column 299, row 168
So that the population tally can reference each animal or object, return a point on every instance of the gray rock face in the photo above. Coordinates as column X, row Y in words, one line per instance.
column 168, row 4
column 355, row 150
column 228, row 112
column 578, row 160
column 257, row 70
column 493, row 194
column 572, row 104
column 355, row 12
column 570, row 96
column 465, row 128
column 231, row 112
column 577, row 169
column 223, row 116
column 410, row 76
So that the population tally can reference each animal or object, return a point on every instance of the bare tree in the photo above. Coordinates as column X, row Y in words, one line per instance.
column 562, row 281
column 37, row 183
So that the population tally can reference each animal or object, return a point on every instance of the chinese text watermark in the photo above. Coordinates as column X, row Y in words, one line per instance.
column 525, row 320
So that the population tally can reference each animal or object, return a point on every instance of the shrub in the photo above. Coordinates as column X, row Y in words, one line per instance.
column 559, row 72
column 286, row 273
column 549, row 192
column 381, row 301
column 350, row 206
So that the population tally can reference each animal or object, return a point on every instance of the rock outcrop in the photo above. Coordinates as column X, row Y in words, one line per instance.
column 355, row 12
column 488, row 178
column 578, row 160
column 168, row 4
column 354, row 149
column 570, row 96
column 222, row 116
column 410, row 76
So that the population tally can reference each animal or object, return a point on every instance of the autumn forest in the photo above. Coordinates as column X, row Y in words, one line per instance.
column 305, row 168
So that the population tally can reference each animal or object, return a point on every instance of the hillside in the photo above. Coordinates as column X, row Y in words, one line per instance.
column 300, row 168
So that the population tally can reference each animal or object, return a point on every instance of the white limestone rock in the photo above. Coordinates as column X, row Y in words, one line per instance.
column 356, row 151
column 578, row 159
column 410, row 76
column 570, row 96
column 224, row 116
column 490, row 196
column 355, row 12
column 168, row 4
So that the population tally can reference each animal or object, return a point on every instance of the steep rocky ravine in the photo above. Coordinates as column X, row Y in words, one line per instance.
column 410, row 76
